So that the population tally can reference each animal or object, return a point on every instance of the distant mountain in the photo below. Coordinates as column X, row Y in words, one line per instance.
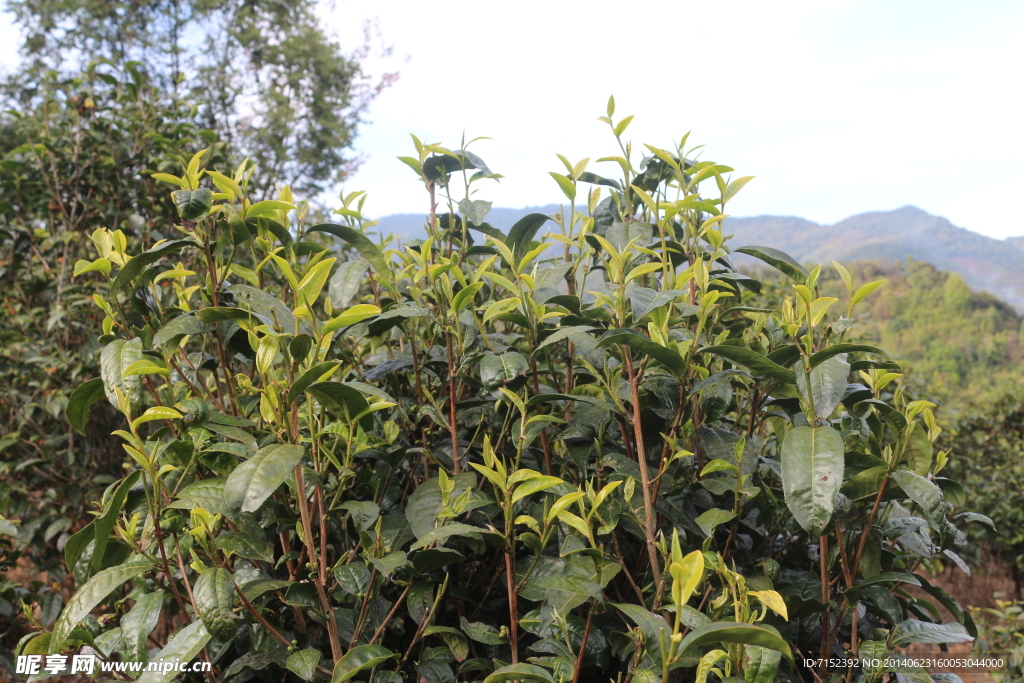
column 995, row 266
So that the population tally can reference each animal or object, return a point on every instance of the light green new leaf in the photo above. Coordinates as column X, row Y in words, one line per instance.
column 864, row 291
column 313, row 283
column 269, row 207
column 156, row 413
column 534, row 485
column 356, row 314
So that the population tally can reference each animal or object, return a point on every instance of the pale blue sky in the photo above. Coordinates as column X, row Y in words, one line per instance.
column 838, row 107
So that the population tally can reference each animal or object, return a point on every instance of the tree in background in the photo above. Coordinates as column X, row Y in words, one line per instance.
column 109, row 93
column 79, row 159
column 263, row 74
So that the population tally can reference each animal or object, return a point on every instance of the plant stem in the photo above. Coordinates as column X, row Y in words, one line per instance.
column 645, row 477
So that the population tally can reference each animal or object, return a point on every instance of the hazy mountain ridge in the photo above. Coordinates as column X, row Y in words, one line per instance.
column 985, row 263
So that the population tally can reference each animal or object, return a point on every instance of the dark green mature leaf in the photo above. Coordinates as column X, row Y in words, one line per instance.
column 620, row 234
column 255, row 660
column 482, row 633
column 104, row 524
column 779, row 260
column 649, row 622
column 594, row 179
column 923, row 492
column 254, row 589
column 442, row 534
column 345, row 282
column 752, row 360
column 785, row 355
column 499, row 370
column 827, row 385
column 425, row 502
column 429, row 559
column 361, row 243
column 183, row 646
column 178, row 327
column 732, row 632
column 205, row 493
column 359, row 658
column 865, row 483
column 812, row 473
column 520, row 672
column 914, row 631
column 214, row 594
column 303, row 663
column 215, row 314
column 82, row 399
column 832, row 351
column 192, row 204
column 638, row 342
column 256, row 479
column 308, row 377
column 139, row 622
column 522, row 233
column 919, row 450
column 91, row 594
column 342, row 399
column 644, row 300
column 760, row 664
column 548, row 398
column 77, row 544
column 135, row 266
column 894, row 417
column 268, row 308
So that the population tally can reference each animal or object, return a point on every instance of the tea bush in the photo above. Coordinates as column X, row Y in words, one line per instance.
column 79, row 157
column 582, row 450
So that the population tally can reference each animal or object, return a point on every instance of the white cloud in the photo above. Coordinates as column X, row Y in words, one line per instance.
column 836, row 107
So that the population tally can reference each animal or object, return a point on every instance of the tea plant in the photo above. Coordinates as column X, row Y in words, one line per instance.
column 582, row 450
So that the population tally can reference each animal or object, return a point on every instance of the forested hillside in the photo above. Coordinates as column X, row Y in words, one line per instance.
column 984, row 263
column 956, row 341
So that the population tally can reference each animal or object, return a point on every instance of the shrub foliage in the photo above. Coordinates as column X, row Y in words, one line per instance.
column 582, row 450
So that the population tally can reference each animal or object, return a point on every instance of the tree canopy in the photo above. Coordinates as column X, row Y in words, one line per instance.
column 265, row 75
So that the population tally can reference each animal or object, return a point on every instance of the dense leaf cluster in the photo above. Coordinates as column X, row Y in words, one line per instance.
column 581, row 450
column 82, row 157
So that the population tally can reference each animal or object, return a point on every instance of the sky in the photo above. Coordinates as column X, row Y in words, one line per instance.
column 836, row 106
